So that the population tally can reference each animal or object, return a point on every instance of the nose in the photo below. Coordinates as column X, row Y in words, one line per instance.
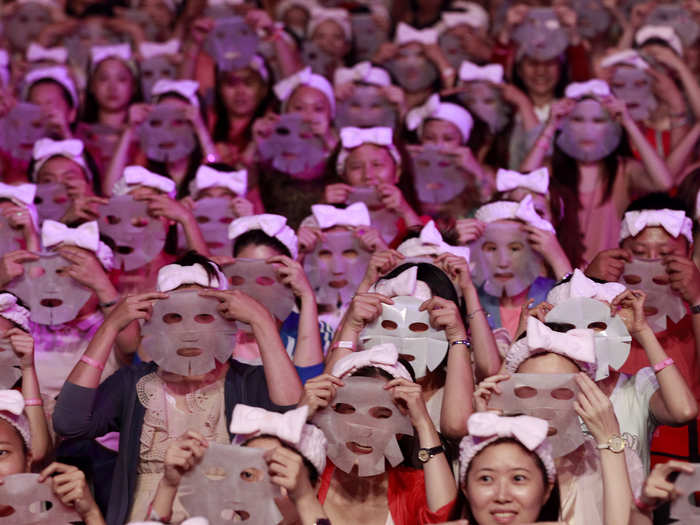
column 338, row 265
column 189, row 337
column 503, row 260
column 503, row 491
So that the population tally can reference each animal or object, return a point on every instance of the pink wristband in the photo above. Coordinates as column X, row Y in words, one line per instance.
column 33, row 402
column 658, row 367
column 92, row 362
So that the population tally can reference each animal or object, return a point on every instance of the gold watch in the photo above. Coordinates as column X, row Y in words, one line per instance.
column 616, row 443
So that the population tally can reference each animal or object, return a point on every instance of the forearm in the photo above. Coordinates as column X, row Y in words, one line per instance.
column 617, row 494
column 128, row 339
column 193, row 236
column 94, row 517
column 409, row 216
column 283, row 383
column 537, row 154
column 440, row 487
column 287, row 54
column 39, row 429
column 487, row 359
column 558, row 262
column 308, row 348
column 188, row 67
column 116, row 166
column 162, row 504
column 207, row 144
column 682, row 152
column 345, row 332
column 457, row 404
column 691, row 88
column 656, row 168
column 309, row 509
column 98, row 350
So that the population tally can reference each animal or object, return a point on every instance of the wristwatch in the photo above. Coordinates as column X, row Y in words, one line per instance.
column 424, row 454
column 616, row 443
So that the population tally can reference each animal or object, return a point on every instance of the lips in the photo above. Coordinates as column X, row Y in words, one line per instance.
column 504, row 516
column 338, row 284
column 503, row 276
column 356, row 448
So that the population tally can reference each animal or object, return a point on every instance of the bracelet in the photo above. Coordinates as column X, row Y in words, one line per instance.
column 109, row 304
column 211, row 158
column 644, row 507
column 658, row 367
column 464, row 342
column 35, row 402
column 470, row 316
column 92, row 362
column 695, row 309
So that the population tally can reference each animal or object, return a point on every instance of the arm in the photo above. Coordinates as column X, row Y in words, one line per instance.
column 538, row 153
column 120, row 159
column 19, row 217
column 209, row 151
column 163, row 205
column 392, row 197
column 380, row 263
column 288, row 57
column 546, row 244
column 682, row 152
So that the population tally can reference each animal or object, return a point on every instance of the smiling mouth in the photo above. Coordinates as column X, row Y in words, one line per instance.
column 189, row 351
column 504, row 516
column 356, row 448
column 338, row 284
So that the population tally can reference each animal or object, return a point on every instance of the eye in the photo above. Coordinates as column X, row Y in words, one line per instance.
column 343, row 408
column 380, row 412
column 204, row 318
column 418, row 327
column 350, row 254
column 389, row 325
column 251, row 475
column 172, row 318
column 519, row 478
column 485, row 478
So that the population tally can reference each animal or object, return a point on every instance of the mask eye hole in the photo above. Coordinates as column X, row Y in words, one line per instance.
column 282, row 130
column 204, row 318
column 236, row 280
column 418, row 327
column 325, row 254
column 156, row 123
column 389, row 325
column 36, row 271
column 113, row 219
column 598, row 326
column 525, row 392
column 350, row 254
column 226, row 220
column 251, row 475
column 172, row 318
column 661, row 280
column 380, row 412
column 562, row 394
column 215, row 473
column 265, row 281
column 632, row 279
column 567, row 326
column 202, row 219
column 343, row 408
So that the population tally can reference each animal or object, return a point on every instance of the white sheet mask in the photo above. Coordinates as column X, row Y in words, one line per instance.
column 662, row 302
column 485, row 101
column 367, row 36
column 213, row 216
column 410, row 332
column 23, row 125
column 504, row 260
column 592, row 17
column 232, row 43
column 588, row 134
column 452, row 48
column 633, row 86
column 412, row 69
column 26, row 23
column 90, row 32
column 10, row 239
column 686, row 509
column 367, row 107
column 547, row 396
column 382, row 218
column 167, row 135
column 336, row 266
column 679, row 18
column 231, row 484
column 9, row 365
column 33, row 503
column 186, row 334
column 52, row 298
column 612, row 340
column 138, row 237
column 292, row 147
column 154, row 69
column 258, row 279
column 320, row 61
column 51, row 201
column 361, row 425
column 541, row 36
column 144, row 21
column 438, row 177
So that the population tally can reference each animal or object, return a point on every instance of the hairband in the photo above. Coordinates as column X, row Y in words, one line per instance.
column 434, row 109
column 10, row 310
column 38, row 53
column 172, row 276
column 86, row 236
column 508, row 210
column 430, row 242
column 273, row 225
column 351, row 138
column 58, row 74
column 46, row 148
column 285, row 87
column 627, row 57
column 140, row 176
column 12, row 410
column 384, row 356
column 595, row 88
column 328, row 216
column 362, row 72
column 322, row 14
column 581, row 286
column 665, row 33
column 155, row 49
column 675, row 222
column 470, row 72
column 185, row 88
column 208, row 177
column 537, row 181
column 406, row 34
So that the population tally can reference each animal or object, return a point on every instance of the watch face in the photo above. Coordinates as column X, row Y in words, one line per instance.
column 423, row 455
column 617, row 444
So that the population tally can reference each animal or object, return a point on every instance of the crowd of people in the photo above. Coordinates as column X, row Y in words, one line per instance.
column 380, row 262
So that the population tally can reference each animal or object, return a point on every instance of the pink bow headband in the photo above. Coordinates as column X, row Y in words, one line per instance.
column 172, row 276
column 470, row 72
column 187, row 89
column 351, row 138
column 328, row 216
column 208, row 177
column 384, row 356
column 576, row 344
column 285, row 87
column 508, row 210
column 537, row 181
column 58, row 74
column 430, row 242
column 405, row 34
column 323, row 14
column 675, row 222
column 581, row 286
column 486, row 427
column 273, row 225
column 434, row 109
column 46, row 148
column 140, row 176
column 12, row 411
column 362, row 72
column 594, row 88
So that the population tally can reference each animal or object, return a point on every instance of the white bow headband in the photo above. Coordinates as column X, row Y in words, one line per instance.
column 351, row 138
column 328, row 216
column 430, row 242
column 140, row 176
column 405, row 34
column 37, row 53
column 46, row 148
column 675, row 222
column 86, row 236
column 156, row 49
column 285, row 87
column 537, row 181
column 523, row 210
column 434, row 109
column 273, row 225
column 595, row 88
column 208, row 177
column 10, row 310
column 384, row 356
column 185, row 88
column 627, row 57
column 58, row 74
column 469, row 72
column 172, row 276
column 665, row 33
column 101, row 53
column 323, row 14
column 362, row 72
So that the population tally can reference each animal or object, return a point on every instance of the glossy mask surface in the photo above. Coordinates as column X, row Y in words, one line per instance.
column 588, row 133
column 138, row 237
column 186, row 335
column 152, row 70
column 51, row 201
column 167, row 135
column 33, row 503
column 27, row 22
column 409, row 330
column 21, row 128
column 547, row 396
column 412, row 69
column 504, row 261
column 366, row 108
column 437, row 176
column 367, row 36
column 661, row 302
column 232, row 43
column 541, row 35
column 612, row 340
column 336, row 266
column 634, row 86
column 10, row 239
column 292, row 147
column 593, row 18
column 52, row 298
column 485, row 101
column 361, row 425
column 231, row 484
column 258, row 279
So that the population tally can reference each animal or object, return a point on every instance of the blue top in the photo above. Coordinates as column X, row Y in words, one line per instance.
column 538, row 291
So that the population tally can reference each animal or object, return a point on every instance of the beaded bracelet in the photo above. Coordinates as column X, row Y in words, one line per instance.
column 92, row 362
column 658, row 367
column 35, row 402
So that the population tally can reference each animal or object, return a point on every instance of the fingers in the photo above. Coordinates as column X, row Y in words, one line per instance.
column 218, row 294
column 55, row 468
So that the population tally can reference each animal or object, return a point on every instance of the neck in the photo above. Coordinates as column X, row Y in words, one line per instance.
column 515, row 300
column 238, row 125
column 113, row 119
column 540, row 99
column 178, row 170
column 607, row 385
column 357, row 489
column 181, row 385
column 590, row 175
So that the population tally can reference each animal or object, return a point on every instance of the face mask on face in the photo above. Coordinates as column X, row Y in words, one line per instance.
column 412, row 69
column 336, row 266
column 167, row 135
column 367, row 36
column 540, row 36
column 587, row 133
column 685, row 509
column 33, row 502
column 26, row 24
column 592, row 16
column 10, row 239
column 485, row 101
column 137, row 236
column 21, row 128
column 292, row 147
column 547, row 396
column 87, row 35
column 320, row 62
column 186, row 335
column 258, row 279
column 232, row 43
column 154, row 69
column 366, row 108
column 52, row 297
column 144, row 21
column 662, row 302
column 231, row 484
column 361, row 425
column 51, row 201
column 452, row 48
column 634, row 87
column 612, row 340
column 438, row 177
column 213, row 216
column 504, row 260
column 407, row 328
column 101, row 140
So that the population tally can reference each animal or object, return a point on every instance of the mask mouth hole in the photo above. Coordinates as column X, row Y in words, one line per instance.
column 189, row 351
column 8, row 511
column 661, row 280
column 650, row 310
column 124, row 250
column 51, row 303
column 357, row 448
column 551, row 431
column 338, row 284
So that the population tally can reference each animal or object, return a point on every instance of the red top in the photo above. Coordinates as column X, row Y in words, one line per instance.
column 406, row 494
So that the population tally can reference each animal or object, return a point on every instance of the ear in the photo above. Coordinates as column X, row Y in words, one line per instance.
column 72, row 115
column 548, row 492
column 397, row 173
column 28, row 461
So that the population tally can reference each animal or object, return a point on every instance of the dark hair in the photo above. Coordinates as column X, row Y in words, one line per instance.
column 91, row 107
column 259, row 238
column 550, row 508
column 64, row 91
column 688, row 191
column 92, row 173
column 657, row 201
column 439, row 283
column 192, row 257
column 562, row 82
column 372, row 371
